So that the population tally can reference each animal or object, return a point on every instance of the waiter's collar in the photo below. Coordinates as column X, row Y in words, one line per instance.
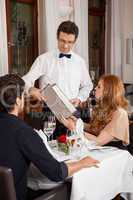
column 58, row 53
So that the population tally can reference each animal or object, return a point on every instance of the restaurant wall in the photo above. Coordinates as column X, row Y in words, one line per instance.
column 127, row 68
column 3, row 40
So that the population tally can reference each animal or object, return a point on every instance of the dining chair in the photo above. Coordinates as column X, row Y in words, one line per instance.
column 7, row 189
column 59, row 193
column 130, row 146
column 117, row 197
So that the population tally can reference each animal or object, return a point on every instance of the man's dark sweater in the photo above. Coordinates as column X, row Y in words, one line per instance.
column 20, row 145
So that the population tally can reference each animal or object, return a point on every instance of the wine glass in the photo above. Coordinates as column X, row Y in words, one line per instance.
column 49, row 126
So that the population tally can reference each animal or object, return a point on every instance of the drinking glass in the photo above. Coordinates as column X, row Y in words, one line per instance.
column 49, row 126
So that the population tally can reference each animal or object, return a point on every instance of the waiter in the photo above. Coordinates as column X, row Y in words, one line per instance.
column 63, row 67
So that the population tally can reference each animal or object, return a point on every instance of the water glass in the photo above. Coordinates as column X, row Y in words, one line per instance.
column 49, row 126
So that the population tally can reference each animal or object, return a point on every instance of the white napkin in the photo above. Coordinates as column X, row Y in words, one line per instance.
column 79, row 127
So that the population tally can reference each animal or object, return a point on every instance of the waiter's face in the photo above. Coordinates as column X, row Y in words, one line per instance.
column 65, row 42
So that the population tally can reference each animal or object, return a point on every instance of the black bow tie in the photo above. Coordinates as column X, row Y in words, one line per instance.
column 61, row 55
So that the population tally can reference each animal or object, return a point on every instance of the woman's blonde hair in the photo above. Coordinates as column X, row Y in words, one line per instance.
column 113, row 97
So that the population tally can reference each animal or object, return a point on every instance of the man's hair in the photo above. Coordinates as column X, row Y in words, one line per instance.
column 69, row 28
column 11, row 87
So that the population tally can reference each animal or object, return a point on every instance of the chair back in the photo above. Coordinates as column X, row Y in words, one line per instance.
column 7, row 189
column 130, row 146
column 59, row 193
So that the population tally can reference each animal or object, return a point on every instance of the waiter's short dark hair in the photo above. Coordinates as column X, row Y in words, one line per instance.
column 11, row 87
column 68, row 27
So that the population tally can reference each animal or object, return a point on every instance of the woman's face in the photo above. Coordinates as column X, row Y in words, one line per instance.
column 99, row 90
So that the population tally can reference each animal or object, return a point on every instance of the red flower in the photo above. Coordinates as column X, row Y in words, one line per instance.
column 62, row 139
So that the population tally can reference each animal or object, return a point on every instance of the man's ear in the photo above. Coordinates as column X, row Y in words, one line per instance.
column 18, row 101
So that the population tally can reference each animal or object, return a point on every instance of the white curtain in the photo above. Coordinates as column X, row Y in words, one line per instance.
column 3, row 40
column 81, row 19
column 52, row 13
column 50, row 23
column 114, row 39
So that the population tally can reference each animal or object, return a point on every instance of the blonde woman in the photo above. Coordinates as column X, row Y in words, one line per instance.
column 109, row 122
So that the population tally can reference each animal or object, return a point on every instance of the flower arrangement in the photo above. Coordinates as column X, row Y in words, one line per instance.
column 64, row 143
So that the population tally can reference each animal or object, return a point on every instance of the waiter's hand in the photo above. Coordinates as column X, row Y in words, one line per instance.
column 76, row 102
column 36, row 93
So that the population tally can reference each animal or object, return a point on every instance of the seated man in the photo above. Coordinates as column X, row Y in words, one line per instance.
column 20, row 144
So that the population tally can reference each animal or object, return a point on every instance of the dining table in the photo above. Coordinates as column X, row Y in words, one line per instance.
column 114, row 174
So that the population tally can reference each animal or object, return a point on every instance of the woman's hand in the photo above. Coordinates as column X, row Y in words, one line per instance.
column 89, row 136
column 70, row 122
column 102, row 139
column 76, row 102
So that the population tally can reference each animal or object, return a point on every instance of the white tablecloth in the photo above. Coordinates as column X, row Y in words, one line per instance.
column 115, row 175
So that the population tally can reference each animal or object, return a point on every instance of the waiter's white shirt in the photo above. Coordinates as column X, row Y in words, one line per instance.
column 71, row 75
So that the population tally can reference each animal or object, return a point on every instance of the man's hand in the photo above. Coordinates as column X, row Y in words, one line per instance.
column 88, row 162
column 36, row 93
column 76, row 102
column 83, row 163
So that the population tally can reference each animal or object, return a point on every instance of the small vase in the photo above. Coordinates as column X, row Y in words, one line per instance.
column 64, row 148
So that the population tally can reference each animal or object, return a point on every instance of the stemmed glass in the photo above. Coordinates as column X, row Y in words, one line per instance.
column 49, row 126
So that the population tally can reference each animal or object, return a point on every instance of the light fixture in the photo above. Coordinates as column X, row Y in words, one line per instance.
column 65, row 11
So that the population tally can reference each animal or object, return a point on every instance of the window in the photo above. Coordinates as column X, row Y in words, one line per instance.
column 96, row 38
